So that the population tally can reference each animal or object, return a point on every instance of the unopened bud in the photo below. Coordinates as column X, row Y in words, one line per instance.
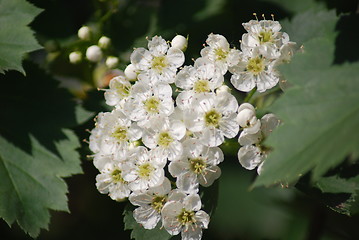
column 94, row 53
column 84, row 33
column 104, row 42
column 112, row 62
column 75, row 57
column 179, row 42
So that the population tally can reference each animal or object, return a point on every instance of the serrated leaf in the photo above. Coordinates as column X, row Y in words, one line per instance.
column 335, row 184
column 320, row 114
column 36, row 148
column 16, row 38
column 139, row 233
column 338, row 187
column 309, row 25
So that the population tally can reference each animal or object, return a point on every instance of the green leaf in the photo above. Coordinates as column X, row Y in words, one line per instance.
column 36, row 148
column 338, row 188
column 16, row 38
column 139, row 233
column 335, row 184
column 309, row 25
column 320, row 115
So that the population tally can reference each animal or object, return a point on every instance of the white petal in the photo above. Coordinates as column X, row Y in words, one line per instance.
column 175, row 57
column 244, row 82
column 140, row 199
column 147, row 216
column 157, row 46
column 249, row 157
column 162, row 189
column 212, row 173
column 170, row 212
column 246, row 138
column 192, row 233
column 212, row 137
column 269, row 122
column 192, row 202
column 187, row 182
column 203, row 218
column 229, row 126
column 176, row 168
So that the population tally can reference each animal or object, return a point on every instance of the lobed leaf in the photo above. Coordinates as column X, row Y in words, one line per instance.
column 16, row 38
column 36, row 148
column 320, row 114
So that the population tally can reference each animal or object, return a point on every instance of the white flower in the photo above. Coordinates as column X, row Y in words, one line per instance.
column 119, row 92
column 147, row 103
column 198, row 165
column 266, row 36
column 111, row 181
column 112, row 136
column 150, row 203
column 111, row 61
column 202, row 78
column 213, row 117
column 84, row 33
column 219, row 52
column 254, row 70
column 144, row 169
column 185, row 217
column 159, row 63
column 179, row 42
column 247, row 119
column 104, row 42
column 94, row 53
column 75, row 57
column 165, row 135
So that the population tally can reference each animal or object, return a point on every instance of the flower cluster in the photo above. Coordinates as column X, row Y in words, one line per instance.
column 149, row 131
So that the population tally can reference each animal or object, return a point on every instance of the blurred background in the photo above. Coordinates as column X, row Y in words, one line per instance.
column 241, row 213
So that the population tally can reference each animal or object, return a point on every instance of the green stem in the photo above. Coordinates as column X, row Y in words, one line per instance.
column 250, row 94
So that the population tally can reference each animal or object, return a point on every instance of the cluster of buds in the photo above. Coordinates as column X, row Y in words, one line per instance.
column 149, row 130
column 95, row 52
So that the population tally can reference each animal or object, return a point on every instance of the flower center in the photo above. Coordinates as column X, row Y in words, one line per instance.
column 255, row 65
column 120, row 133
column 123, row 90
column 220, row 54
column 212, row 118
column 145, row 170
column 158, row 202
column 159, row 63
column 265, row 36
column 164, row 139
column 151, row 105
column 197, row 165
column 186, row 217
column 117, row 177
column 201, row 86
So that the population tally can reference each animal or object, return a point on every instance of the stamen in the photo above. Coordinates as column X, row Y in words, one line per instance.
column 255, row 15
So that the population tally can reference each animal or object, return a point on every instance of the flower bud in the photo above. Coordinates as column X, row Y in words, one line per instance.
column 84, row 33
column 75, row 57
column 112, row 62
column 104, row 42
column 179, row 42
column 94, row 53
column 130, row 72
